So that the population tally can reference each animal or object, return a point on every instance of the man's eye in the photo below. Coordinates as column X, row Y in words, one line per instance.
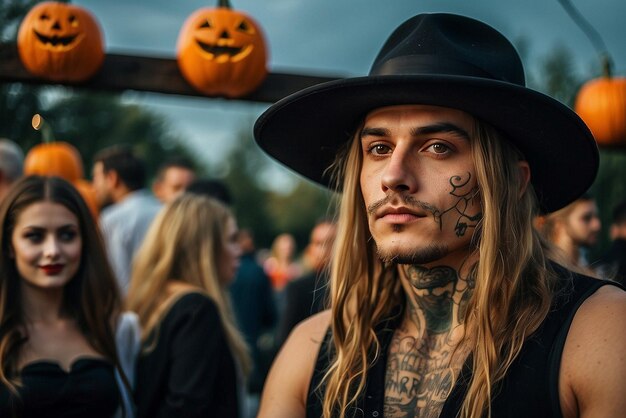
column 379, row 149
column 439, row 148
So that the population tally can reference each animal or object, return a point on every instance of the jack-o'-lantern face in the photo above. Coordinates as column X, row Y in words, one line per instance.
column 57, row 33
column 60, row 42
column 225, row 44
column 222, row 51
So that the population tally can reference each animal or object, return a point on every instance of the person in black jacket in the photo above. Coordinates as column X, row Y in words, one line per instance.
column 193, row 357
column 255, row 310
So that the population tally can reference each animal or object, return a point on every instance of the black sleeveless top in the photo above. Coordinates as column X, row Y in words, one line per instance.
column 88, row 390
column 529, row 389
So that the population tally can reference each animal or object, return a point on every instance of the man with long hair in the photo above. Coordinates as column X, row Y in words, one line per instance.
column 444, row 301
column 573, row 230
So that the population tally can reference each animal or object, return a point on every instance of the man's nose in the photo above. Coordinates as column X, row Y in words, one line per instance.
column 399, row 174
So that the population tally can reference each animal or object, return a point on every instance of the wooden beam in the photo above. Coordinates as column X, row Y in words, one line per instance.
column 159, row 75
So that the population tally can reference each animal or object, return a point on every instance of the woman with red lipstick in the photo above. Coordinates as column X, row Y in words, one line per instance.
column 191, row 348
column 59, row 306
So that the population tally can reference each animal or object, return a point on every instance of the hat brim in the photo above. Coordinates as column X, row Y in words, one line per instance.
column 305, row 130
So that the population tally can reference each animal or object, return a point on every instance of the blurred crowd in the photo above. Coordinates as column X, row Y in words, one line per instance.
column 153, row 294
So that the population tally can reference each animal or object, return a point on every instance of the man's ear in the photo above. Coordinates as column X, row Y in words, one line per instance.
column 112, row 178
column 524, row 171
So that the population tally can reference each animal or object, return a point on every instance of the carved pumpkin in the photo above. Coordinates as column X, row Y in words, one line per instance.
column 54, row 159
column 221, row 51
column 60, row 42
column 601, row 103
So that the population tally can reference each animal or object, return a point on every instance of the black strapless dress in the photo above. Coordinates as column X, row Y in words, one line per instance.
column 88, row 389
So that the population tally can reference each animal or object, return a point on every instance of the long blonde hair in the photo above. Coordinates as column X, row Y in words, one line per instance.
column 514, row 283
column 184, row 244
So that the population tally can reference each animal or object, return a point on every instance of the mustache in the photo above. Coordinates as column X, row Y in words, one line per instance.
column 407, row 200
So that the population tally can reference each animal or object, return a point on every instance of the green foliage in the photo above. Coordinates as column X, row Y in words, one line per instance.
column 11, row 14
column 92, row 121
column 257, row 203
column 559, row 78
column 298, row 211
column 18, row 104
column 249, row 199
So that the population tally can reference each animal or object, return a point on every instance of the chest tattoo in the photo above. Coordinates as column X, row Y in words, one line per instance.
column 421, row 368
column 419, row 376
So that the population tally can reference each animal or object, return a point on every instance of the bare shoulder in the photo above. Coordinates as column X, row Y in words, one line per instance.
column 313, row 328
column 603, row 311
column 287, row 384
column 593, row 369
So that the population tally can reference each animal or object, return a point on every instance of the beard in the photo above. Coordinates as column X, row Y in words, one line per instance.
column 430, row 253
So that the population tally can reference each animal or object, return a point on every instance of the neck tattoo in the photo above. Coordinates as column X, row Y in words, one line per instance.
column 421, row 369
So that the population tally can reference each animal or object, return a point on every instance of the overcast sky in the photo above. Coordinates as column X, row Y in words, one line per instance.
column 337, row 37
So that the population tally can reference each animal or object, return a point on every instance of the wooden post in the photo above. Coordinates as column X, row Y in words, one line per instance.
column 159, row 75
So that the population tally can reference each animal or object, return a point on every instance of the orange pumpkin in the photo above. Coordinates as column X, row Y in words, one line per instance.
column 86, row 190
column 221, row 51
column 601, row 103
column 54, row 159
column 60, row 42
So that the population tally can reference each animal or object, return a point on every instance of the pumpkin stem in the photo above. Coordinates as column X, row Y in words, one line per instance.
column 592, row 34
column 607, row 65
column 39, row 124
column 224, row 3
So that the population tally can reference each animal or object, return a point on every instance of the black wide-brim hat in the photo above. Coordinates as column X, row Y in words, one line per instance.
column 442, row 60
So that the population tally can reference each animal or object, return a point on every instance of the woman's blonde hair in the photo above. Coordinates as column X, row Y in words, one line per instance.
column 184, row 244
column 514, row 282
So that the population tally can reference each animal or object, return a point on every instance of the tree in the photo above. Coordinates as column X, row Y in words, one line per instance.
column 298, row 211
column 559, row 79
column 11, row 14
column 249, row 199
column 92, row 121
column 261, row 207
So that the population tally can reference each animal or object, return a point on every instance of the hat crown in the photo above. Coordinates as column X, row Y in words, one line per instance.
column 447, row 44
